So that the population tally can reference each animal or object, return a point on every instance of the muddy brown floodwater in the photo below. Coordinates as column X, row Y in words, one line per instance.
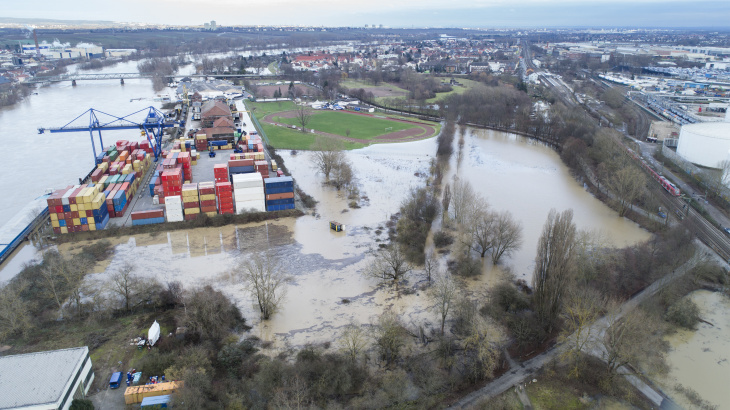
column 700, row 359
column 329, row 289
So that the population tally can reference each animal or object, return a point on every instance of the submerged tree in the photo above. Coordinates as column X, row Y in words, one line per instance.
column 390, row 264
column 266, row 279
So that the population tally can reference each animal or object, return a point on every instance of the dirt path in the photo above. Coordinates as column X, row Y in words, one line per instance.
column 412, row 134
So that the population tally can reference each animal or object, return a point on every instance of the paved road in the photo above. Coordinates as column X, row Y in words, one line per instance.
column 529, row 367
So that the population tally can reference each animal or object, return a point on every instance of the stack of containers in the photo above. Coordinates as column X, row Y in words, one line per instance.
column 77, row 209
column 184, row 159
column 201, row 142
column 262, row 167
column 207, row 193
column 173, row 209
column 191, row 201
column 224, row 197
column 248, row 192
column 241, row 166
column 256, row 156
column 220, row 172
column 154, row 216
column 279, row 193
column 172, row 181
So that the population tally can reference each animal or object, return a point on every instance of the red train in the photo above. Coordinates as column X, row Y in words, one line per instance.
column 670, row 187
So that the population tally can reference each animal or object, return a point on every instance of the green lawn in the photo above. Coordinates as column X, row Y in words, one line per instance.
column 468, row 84
column 361, row 127
column 273, row 67
column 333, row 122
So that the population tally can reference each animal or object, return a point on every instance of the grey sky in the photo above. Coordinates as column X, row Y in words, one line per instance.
column 404, row 13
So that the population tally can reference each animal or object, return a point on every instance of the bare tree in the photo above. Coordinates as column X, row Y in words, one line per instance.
column 389, row 336
column 327, row 155
column 73, row 275
column 633, row 338
column 353, row 341
column 303, row 116
column 342, row 174
column 443, row 294
column 15, row 314
column 627, row 183
column 446, row 199
column 583, row 307
column 481, row 228
column 553, row 266
column 209, row 314
column 123, row 283
column 52, row 274
column 390, row 264
column 430, row 265
column 506, row 235
column 266, row 280
column 464, row 201
column 482, row 348
column 720, row 179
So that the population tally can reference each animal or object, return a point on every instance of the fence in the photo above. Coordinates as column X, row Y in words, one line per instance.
column 258, row 126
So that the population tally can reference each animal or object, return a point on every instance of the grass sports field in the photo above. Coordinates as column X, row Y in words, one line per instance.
column 364, row 129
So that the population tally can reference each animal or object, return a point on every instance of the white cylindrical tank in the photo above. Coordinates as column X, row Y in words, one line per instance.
column 705, row 144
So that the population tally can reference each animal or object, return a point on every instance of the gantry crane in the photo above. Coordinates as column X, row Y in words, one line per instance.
column 151, row 127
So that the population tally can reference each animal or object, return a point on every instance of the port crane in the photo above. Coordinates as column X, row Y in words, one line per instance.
column 151, row 127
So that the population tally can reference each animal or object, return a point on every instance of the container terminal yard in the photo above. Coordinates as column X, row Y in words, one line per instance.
column 217, row 166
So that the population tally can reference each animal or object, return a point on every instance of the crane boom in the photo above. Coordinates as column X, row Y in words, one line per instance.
column 152, row 127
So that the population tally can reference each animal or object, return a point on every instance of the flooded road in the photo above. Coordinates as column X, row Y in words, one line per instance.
column 700, row 359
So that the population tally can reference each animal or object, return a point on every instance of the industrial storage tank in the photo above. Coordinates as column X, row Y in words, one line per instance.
column 705, row 144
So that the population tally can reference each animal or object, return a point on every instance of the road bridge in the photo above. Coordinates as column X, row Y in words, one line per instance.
column 128, row 76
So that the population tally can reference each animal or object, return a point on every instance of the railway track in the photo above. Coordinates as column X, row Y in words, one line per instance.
column 701, row 227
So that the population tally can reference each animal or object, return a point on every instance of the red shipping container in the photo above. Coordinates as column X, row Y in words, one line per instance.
column 191, row 217
column 188, row 205
column 153, row 213
column 208, row 209
column 207, row 203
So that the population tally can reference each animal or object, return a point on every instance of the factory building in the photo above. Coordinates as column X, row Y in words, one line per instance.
column 45, row 380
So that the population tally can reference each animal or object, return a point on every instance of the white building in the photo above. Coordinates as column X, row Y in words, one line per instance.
column 705, row 144
column 45, row 380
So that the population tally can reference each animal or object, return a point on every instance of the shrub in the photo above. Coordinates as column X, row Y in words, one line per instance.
column 442, row 239
column 684, row 313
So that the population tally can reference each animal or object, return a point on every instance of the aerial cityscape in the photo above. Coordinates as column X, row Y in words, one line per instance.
column 327, row 205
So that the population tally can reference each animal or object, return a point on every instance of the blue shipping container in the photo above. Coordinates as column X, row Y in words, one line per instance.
column 279, row 207
column 280, row 201
column 241, row 170
column 270, row 191
column 148, row 221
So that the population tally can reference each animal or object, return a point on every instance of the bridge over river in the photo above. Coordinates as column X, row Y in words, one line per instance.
column 128, row 76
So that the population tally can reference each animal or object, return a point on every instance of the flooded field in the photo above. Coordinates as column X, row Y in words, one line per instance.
column 700, row 359
column 329, row 289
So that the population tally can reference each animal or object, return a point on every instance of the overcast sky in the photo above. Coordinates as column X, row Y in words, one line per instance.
column 392, row 13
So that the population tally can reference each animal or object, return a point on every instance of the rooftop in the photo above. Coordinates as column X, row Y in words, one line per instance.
column 38, row 378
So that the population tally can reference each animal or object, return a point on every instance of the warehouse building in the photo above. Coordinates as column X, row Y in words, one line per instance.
column 45, row 380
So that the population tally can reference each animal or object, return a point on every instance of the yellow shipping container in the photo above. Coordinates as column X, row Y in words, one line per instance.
column 192, row 211
column 54, row 216
column 54, row 223
column 81, row 207
column 98, row 201
column 127, row 169
column 104, row 166
column 77, row 221
column 209, row 197
column 137, row 165
column 74, row 208
column 211, row 214
column 135, row 394
column 103, row 179
column 64, row 229
column 92, row 227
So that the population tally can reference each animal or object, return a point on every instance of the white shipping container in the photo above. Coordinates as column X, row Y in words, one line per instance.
column 173, row 209
column 247, row 206
column 244, row 192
